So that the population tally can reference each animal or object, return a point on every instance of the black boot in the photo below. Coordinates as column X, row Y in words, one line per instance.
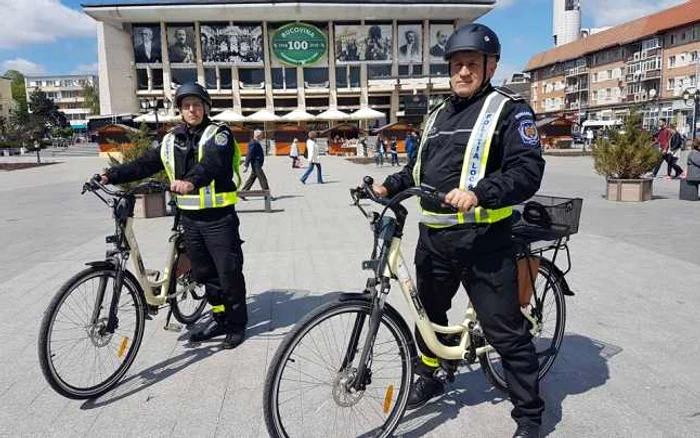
column 211, row 330
column 423, row 389
column 527, row 431
column 234, row 339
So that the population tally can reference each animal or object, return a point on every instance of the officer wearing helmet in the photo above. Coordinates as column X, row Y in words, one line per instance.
column 481, row 147
column 201, row 158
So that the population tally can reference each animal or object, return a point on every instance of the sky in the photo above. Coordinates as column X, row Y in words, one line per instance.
column 55, row 37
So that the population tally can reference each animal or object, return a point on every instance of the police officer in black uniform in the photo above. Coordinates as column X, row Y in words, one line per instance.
column 197, row 155
column 481, row 147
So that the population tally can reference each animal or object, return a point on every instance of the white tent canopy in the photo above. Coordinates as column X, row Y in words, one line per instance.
column 333, row 114
column 262, row 116
column 366, row 113
column 150, row 117
column 229, row 115
column 298, row 115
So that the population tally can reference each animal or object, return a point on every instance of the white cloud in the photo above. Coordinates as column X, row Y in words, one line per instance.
column 504, row 3
column 41, row 21
column 85, row 69
column 505, row 71
column 611, row 13
column 23, row 66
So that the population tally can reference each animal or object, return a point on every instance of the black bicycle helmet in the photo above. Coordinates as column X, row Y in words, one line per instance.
column 191, row 89
column 475, row 37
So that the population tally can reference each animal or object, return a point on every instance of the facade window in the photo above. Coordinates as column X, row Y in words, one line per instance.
column 354, row 76
column 672, row 61
column 439, row 70
column 341, row 77
column 284, row 78
column 252, row 77
column 375, row 71
column 225, row 78
column 183, row 75
column 316, row 77
column 141, row 79
column 694, row 56
column 157, row 78
column 210, row 78
column 671, row 83
column 693, row 80
column 415, row 70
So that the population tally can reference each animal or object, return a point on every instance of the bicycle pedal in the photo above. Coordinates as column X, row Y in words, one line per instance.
column 173, row 327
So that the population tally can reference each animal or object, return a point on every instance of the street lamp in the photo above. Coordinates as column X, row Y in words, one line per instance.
column 692, row 99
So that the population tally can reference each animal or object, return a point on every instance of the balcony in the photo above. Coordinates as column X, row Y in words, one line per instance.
column 576, row 71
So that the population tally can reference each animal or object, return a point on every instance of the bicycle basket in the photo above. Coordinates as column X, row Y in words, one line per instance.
column 548, row 217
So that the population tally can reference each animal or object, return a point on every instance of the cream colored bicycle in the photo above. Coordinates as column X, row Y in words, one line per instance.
column 346, row 368
column 93, row 327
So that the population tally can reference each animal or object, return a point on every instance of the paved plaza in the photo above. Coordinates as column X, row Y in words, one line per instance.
column 628, row 366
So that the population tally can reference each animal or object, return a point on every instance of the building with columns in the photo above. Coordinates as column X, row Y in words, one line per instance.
column 252, row 55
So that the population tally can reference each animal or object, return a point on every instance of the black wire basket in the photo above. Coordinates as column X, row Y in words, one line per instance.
column 547, row 218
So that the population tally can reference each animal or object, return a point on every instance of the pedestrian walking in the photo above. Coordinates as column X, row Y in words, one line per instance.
column 379, row 151
column 675, row 146
column 255, row 158
column 393, row 152
column 663, row 136
column 314, row 161
column 294, row 153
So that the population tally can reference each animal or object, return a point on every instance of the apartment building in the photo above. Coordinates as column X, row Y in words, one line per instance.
column 67, row 93
column 645, row 64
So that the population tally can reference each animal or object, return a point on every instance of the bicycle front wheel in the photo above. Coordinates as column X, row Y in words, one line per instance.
column 551, row 318
column 79, row 358
column 306, row 391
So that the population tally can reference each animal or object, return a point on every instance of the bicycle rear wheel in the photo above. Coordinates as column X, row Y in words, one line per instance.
column 548, row 338
column 305, row 393
column 186, row 295
column 78, row 357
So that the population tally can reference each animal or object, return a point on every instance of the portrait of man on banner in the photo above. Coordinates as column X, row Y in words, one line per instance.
column 377, row 45
column 347, row 43
column 410, row 44
column 181, row 44
column 147, row 44
column 438, row 39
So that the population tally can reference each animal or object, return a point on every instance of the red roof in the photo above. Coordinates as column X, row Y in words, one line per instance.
column 626, row 33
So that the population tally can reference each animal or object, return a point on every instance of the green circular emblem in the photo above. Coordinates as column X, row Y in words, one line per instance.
column 299, row 44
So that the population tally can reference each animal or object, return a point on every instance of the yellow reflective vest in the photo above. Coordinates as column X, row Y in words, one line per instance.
column 207, row 197
column 473, row 168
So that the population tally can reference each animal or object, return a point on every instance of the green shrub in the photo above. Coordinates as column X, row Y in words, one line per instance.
column 628, row 153
column 142, row 143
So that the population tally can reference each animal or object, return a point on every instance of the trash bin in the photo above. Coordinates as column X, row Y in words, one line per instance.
column 688, row 190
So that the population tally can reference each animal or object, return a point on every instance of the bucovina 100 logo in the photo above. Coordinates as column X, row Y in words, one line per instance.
column 299, row 44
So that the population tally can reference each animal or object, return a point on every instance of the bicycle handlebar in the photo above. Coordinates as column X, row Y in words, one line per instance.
column 94, row 184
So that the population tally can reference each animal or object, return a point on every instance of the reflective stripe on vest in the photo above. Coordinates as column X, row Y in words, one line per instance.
column 207, row 196
column 473, row 168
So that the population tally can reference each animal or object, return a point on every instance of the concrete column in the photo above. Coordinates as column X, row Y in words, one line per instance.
column 269, row 101
column 364, row 89
column 301, row 91
column 236, row 86
column 117, row 75
column 200, row 57
column 394, row 105
column 395, row 49
column 332, row 88
column 426, row 48
column 167, row 75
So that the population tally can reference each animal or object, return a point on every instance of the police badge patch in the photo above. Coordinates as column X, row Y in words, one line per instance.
column 528, row 132
column 221, row 139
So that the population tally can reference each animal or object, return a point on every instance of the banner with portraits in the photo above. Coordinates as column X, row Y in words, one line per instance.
column 363, row 43
column 223, row 43
column 146, row 40
column 439, row 33
column 410, row 44
column 182, row 48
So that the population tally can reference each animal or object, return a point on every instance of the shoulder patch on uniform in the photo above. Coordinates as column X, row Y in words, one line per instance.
column 221, row 139
column 528, row 132
column 512, row 95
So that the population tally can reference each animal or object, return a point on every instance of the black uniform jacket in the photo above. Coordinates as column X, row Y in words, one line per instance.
column 514, row 168
column 216, row 165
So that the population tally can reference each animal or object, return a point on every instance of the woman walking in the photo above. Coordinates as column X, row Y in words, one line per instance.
column 312, row 151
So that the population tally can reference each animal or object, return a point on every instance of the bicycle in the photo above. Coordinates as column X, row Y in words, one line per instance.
column 346, row 368
column 93, row 326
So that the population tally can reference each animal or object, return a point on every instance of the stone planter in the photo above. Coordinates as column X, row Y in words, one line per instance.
column 150, row 205
column 629, row 190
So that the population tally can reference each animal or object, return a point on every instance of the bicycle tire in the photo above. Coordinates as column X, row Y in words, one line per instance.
column 191, row 292
column 131, row 298
column 491, row 362
column 391, row 324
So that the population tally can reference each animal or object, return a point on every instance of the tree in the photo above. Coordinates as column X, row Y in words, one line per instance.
column 46, row 109
column 19, row 93
column 92, row 99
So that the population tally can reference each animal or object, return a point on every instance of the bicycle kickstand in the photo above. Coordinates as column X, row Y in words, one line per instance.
column 171, row 326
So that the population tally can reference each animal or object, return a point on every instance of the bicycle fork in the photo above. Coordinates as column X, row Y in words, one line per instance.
column 113, row 320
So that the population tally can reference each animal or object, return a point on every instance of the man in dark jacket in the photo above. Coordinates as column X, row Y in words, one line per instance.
column 255, row 158
column 197, row 155
column 481, row 147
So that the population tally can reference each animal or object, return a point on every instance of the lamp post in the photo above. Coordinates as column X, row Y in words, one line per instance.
column 693, row 99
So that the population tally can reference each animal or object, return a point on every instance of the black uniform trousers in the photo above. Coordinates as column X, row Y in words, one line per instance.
column 482, row 259
column 215, row 251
